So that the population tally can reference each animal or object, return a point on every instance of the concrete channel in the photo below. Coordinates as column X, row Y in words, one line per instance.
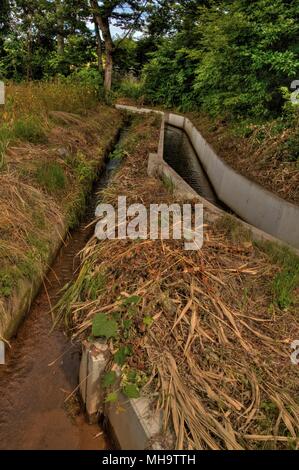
column 266, row 215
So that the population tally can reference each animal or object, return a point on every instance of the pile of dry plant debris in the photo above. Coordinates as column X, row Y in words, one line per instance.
column 201, row 330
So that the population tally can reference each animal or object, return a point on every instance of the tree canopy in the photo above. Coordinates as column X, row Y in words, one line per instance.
column 222, row 56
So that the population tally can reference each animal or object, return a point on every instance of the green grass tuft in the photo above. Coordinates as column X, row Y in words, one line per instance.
column 286, row 282
column 51, row 177
column 6, row 283
column 29, row 129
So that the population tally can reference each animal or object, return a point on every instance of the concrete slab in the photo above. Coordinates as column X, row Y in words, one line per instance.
column 95, row 357
column 134, row 424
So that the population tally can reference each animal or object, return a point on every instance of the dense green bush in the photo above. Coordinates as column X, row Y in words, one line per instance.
column 88, row 77
column 242, row 53
column 129, row 87
column 169, row 76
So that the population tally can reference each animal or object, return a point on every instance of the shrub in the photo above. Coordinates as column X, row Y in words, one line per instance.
column 129, row 87
column 235, row 61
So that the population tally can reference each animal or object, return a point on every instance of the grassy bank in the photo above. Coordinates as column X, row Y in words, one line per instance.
column 263, row 152
column 206, row 334
column 53, row 138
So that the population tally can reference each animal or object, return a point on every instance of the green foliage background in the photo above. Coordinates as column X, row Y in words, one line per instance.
column 234, row 61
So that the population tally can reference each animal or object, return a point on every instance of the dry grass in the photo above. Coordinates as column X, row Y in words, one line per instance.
column 49, row 163
column 217, row 352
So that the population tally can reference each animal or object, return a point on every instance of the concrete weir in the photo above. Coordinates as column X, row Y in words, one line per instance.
column 133, row 424
column 267, row 215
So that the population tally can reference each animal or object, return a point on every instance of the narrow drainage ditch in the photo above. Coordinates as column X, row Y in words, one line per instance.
column 38, row 409
column 181, row 156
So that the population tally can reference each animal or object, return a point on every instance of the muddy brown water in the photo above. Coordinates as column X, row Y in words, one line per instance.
column 41, row 371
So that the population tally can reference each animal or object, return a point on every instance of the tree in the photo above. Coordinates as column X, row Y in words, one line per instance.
column 4, row 23
column 128, row 15
column 60, row 27
column 233, row 62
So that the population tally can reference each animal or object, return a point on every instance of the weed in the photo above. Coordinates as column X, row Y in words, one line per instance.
column 41, row 246
column 82, row 167
column 51, row 177
column 118, row 153
column 76, row 209
column 286, row 282
column 6, row 283
column 233, row 228
column 39, row 219
column 131, row 88
column 28, row 266
column 242, row 129
column 5, row 135
column 168, row 183
column 93, row 285
column 290, row 148
column 29, row 128
column 284, row 285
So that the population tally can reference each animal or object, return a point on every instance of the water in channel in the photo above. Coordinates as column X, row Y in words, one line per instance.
column 37, row 407
column 181, row 156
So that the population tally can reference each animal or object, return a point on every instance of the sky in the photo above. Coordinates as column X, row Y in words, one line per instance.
column 115, row 31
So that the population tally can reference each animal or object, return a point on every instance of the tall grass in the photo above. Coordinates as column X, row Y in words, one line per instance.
column 26, row 114
column 131, row 88
column 39, row 98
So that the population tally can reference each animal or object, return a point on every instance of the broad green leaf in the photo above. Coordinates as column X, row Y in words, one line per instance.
column 131, row 391
column 121, row 355
column 104, row 326
column 109, row 378
column 133, row 300
column 111, row 397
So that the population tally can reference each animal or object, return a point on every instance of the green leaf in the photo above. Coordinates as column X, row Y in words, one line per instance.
column 133, row 300
column 132, row 375
column 111, row 397
column 109, row 378
column 131, row 391
column 148, row 321
column 121, row 355
column 103, row 326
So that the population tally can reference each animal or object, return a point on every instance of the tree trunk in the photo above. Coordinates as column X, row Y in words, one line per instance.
column 108, row 67
column 60, row 25
column 99, row 44
column 29, row 53
column 60, row 45
column 103, row 22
